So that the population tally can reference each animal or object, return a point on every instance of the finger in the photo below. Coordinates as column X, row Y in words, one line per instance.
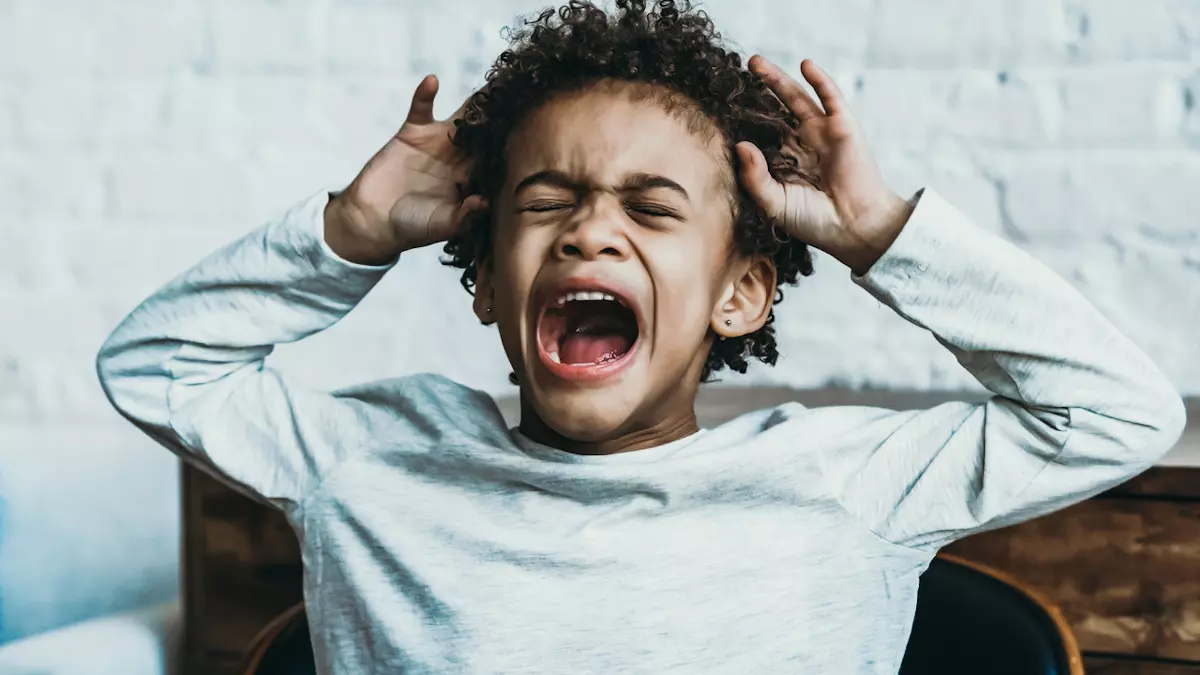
column 827, row 90
column 754, row 175
column 455, row 214
column 470, row 205
column 462, row 171
column 421, row 110
column 788, row 90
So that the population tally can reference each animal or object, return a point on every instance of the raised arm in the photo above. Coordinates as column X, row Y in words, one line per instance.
column 187, row 365
column 1077, row 407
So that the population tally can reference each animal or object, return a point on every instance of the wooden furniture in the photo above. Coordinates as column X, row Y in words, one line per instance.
column 1124, row 567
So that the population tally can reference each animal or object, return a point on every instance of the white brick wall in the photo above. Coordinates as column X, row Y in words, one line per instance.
column 138, row 134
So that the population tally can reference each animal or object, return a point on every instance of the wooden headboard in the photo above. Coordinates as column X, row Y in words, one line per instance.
column 1124, row 567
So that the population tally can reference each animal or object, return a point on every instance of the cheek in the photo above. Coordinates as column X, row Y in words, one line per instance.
column 517, row 257
column 688, row 277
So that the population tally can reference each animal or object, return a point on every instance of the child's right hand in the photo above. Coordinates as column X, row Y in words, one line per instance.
column 407, row 195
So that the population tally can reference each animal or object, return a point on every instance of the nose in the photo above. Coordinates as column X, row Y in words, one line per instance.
column 597, row 234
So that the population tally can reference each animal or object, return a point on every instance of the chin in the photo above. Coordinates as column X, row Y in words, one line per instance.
column 584, row 415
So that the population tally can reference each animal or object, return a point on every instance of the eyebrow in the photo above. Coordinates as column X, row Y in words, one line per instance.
column 638, row 182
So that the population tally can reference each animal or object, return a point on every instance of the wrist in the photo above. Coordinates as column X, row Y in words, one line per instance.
column 348, row 234
column 869, row 237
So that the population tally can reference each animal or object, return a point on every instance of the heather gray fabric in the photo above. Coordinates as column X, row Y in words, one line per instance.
column 788, row 541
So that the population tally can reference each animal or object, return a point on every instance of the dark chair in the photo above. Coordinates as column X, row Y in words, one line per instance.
column 283, row 647
column 970, row 619
column 973, row 619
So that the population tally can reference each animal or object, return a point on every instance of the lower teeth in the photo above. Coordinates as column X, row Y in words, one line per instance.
column 611, row 356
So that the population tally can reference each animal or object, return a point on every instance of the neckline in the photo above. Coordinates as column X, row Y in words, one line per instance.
column 643, row 456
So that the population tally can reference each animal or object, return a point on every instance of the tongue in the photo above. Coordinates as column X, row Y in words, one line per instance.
column 583, row 348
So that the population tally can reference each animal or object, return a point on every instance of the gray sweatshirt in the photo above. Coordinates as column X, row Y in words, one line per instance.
column 790, row 540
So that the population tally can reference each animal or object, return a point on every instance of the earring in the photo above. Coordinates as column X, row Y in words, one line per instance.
column 728, row 322
column 488, row 310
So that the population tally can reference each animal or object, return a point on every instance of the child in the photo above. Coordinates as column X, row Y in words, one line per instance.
column 636, row 198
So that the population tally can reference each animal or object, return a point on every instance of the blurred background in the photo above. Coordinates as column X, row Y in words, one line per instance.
column 138, row 135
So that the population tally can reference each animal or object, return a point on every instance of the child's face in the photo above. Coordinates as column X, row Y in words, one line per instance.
column 608, row 195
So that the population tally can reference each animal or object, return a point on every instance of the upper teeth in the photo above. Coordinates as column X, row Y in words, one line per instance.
column 584, row 295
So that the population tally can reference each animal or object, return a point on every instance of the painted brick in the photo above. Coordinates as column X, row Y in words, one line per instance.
column 1124, row 195
column 370, row 38
column 87, row 114
column 947, row 33
column 74, row 36
column 914, row 108
column 50, row 185
column 1123, row 106
column 173, row 187
column 836, row 35
column 1115, row 30
column 266, row 37
column 138, row 134
column 9, row 117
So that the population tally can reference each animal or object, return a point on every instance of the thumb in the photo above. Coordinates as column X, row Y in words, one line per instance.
column 452, row 215
column 757, row 179
column 469, row 205
column 421, row 109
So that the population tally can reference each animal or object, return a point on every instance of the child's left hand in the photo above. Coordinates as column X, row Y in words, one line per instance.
column 854, row 216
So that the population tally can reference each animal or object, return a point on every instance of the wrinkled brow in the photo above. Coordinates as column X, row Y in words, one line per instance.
column 638, row 182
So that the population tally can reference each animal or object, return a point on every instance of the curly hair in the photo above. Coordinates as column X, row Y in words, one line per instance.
column 672, row 49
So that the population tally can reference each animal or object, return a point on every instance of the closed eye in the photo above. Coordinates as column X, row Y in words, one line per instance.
column 653, row 211
column 643, row 209
column 547, row 206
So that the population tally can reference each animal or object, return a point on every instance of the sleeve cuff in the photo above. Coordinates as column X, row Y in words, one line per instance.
column 318, row 203
column 916, row 248
column 299, row 236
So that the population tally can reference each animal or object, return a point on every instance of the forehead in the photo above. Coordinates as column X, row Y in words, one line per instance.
column 607, row 132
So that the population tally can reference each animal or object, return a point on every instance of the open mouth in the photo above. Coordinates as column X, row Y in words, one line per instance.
column 586, row 330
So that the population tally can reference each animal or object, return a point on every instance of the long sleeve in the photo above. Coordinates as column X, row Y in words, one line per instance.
column 1076, row 408
column 187, row 365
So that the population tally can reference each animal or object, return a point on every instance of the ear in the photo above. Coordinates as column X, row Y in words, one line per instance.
column 746, row 301
column 485, row 297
